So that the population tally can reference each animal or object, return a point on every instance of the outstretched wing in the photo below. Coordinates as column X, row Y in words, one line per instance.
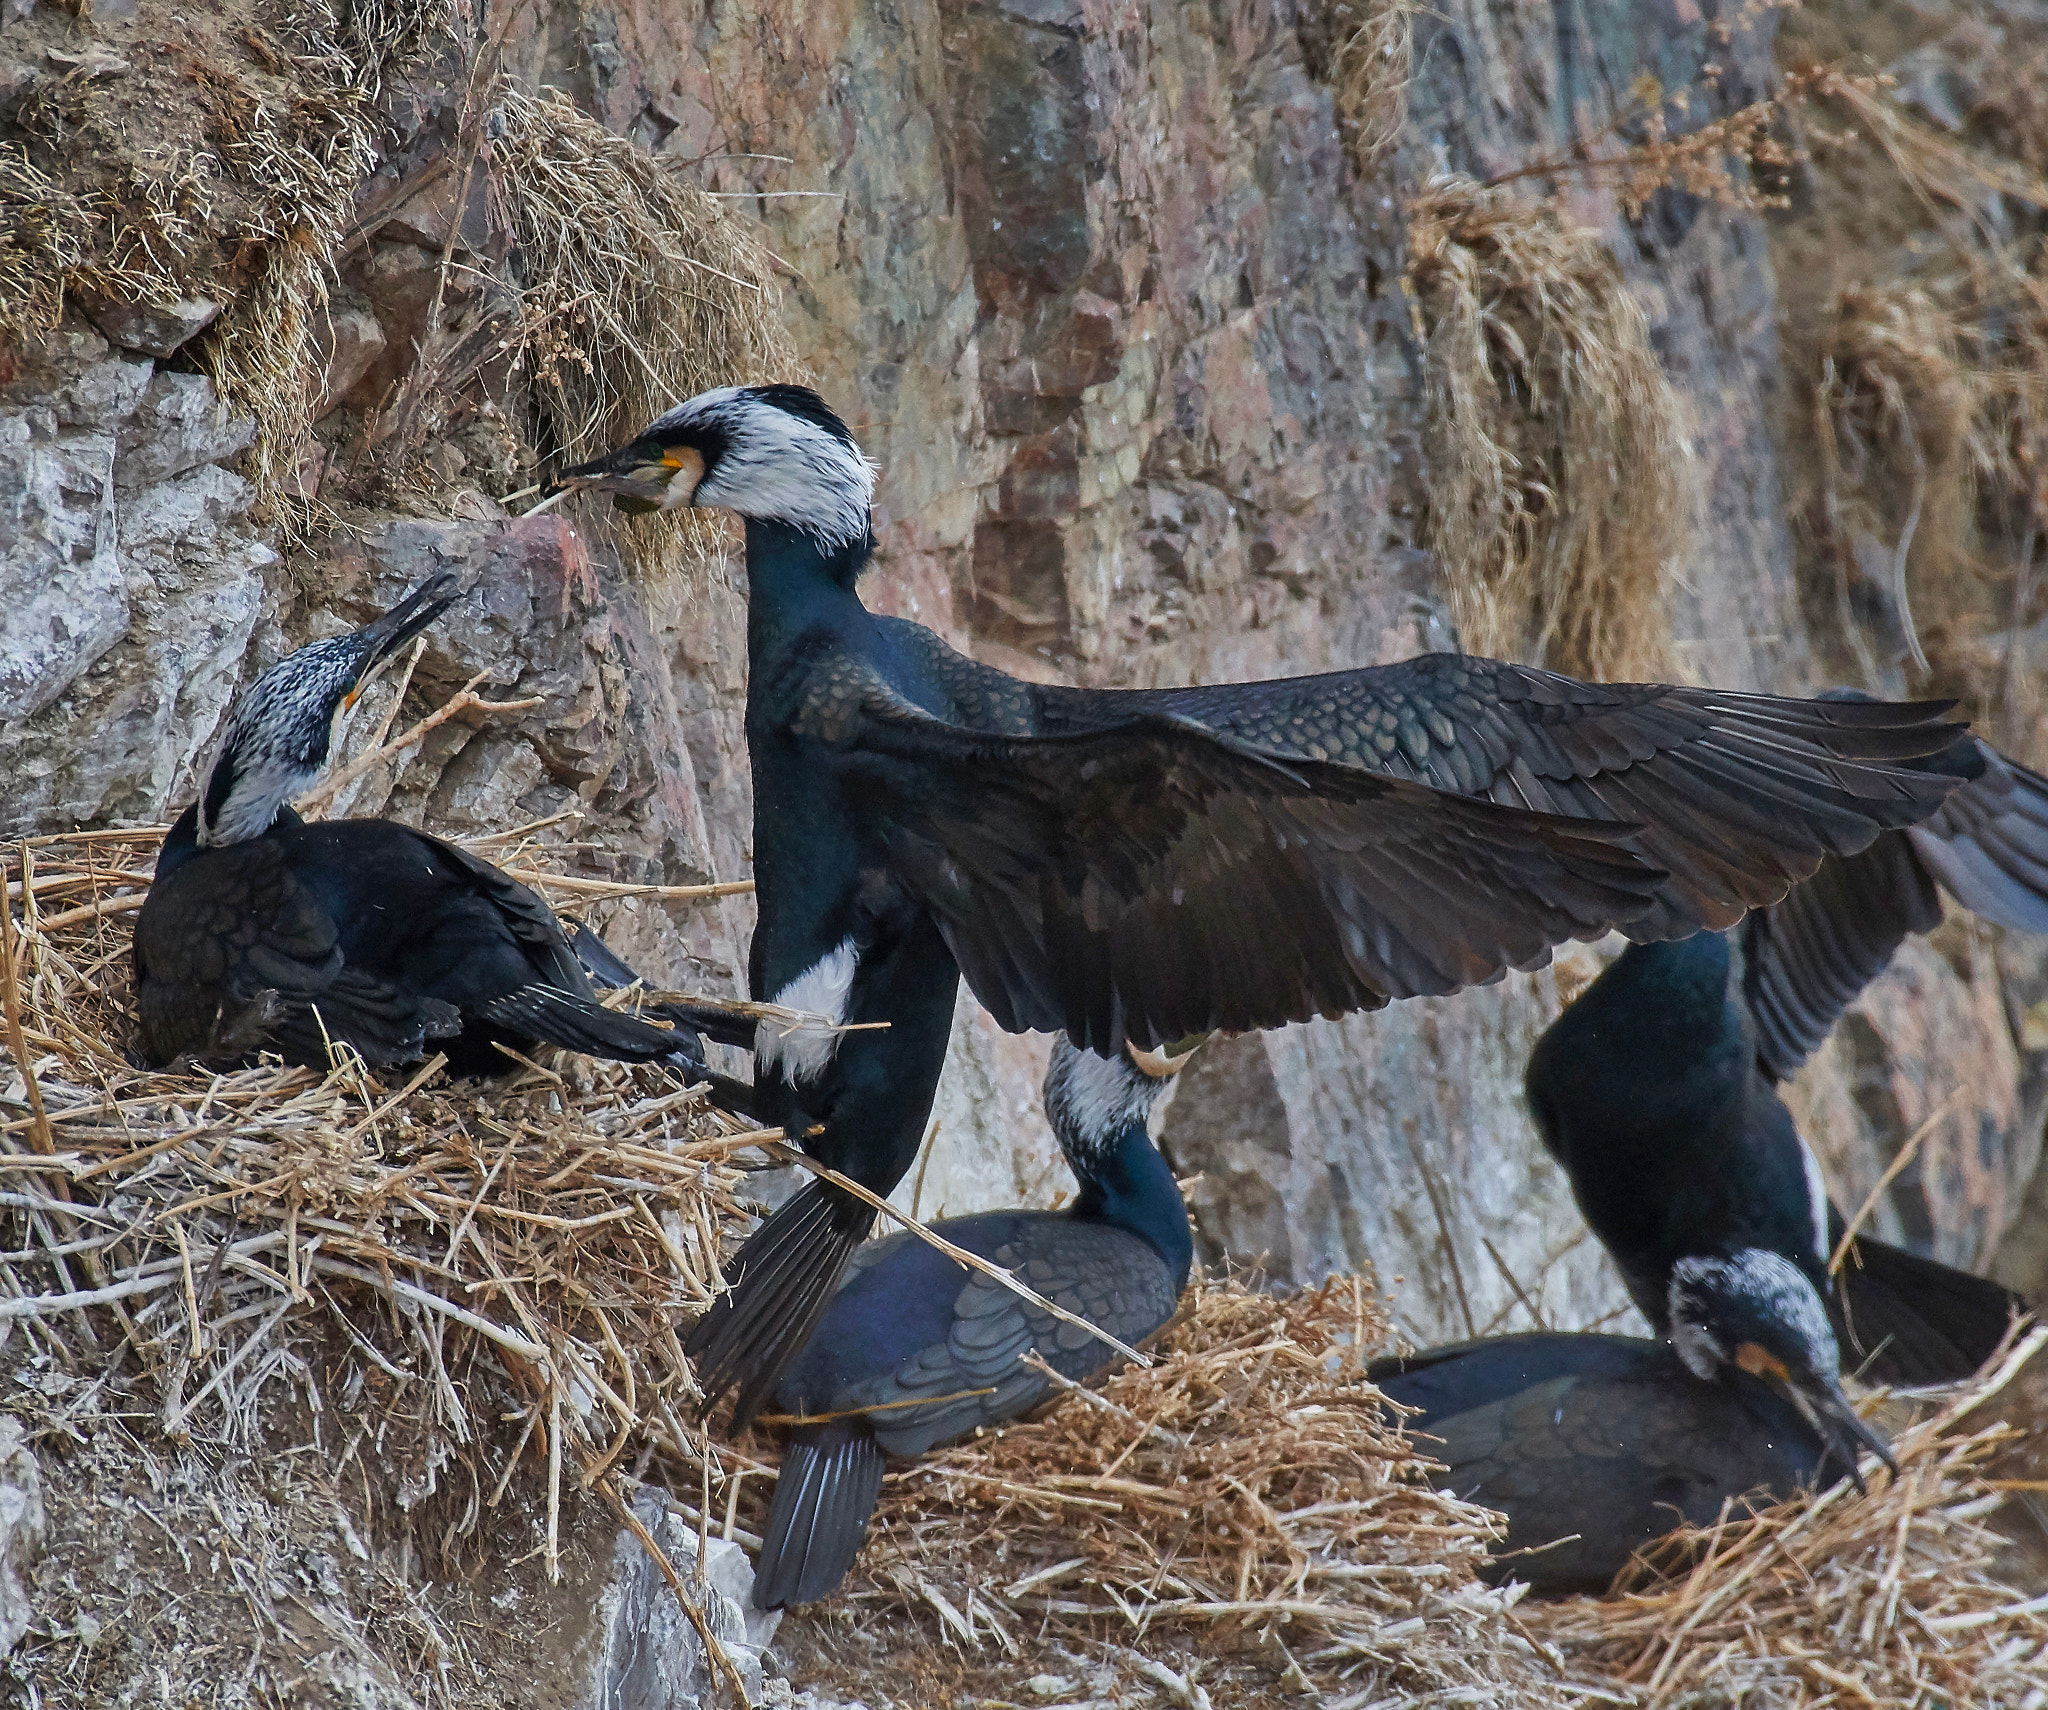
column 1738, row 796
column 1806, row 958
column 1160, row 878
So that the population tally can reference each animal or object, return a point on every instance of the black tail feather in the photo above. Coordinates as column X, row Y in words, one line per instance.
column 831, row 1476
column 576, row 1024
column 1913, row 1321
column 608, row 968
column 782, row 1281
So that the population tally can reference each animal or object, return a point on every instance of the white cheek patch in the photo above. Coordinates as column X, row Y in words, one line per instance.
column 802, row 1051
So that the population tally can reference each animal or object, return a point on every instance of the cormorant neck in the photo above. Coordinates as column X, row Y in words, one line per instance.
column 1129, row 1187
column 245, row 794
column 790, row 575
column 1686, row 990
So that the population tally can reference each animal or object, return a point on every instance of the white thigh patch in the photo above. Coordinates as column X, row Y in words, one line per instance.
column 1817, row 1198
column 801, row 1051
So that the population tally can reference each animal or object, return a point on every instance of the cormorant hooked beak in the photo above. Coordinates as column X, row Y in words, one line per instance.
column 1162, row 1061
column 1819, row 1397
column 379, row 640
column 646, row 475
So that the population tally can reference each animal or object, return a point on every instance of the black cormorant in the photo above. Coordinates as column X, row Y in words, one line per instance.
column 915, row 1349
column 1594, row 1446
column 1142, row 865
column 1689, row 1169
column 263, row 932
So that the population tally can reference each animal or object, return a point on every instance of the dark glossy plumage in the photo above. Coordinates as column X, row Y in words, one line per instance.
column 1594, row 1446
column 1810, row 955
column 921, row 1350
column 262, row 932
column 1648, row 1091
column 1145, row 864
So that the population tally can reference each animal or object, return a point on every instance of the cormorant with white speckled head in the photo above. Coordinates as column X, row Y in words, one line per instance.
column 262, row 932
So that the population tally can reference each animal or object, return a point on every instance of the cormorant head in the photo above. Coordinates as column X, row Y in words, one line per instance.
column 1757, row 1312
column 1093, row 1102
column 1100, row 1108
column 771, row 453
column 281, row 728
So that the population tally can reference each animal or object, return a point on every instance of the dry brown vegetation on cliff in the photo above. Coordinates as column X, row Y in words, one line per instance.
column 219, row 160
column 1558, row 469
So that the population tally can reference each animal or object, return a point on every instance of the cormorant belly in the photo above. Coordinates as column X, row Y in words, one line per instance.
column 1594, row 1446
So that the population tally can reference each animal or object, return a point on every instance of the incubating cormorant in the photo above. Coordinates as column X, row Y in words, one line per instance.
column 1594, row 1446
column 262, row 932
column 915, row 1349
column 1690, row 1171
column 1142, row 865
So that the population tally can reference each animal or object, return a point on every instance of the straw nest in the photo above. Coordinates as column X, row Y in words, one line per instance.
column 524, row 1251
column 1246, row 1517
column 1559, row 469
column 502, row 1273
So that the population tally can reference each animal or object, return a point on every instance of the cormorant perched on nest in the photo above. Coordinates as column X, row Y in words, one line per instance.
column 1142, row 865
column 1655, row 1090
column 262, row 932
column 915, row 1349
column 1594, row 1446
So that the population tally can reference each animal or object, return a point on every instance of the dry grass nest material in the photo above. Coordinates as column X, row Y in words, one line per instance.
column 635, row 288
column 529, row 1247
column 215, row 156
column 1561, row 489
column 1245, row 1517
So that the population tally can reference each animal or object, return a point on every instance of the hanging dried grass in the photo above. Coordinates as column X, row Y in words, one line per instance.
column 240, row 190
column 1560, row 473
column 1373, row 67
column 636, row 290
column 1901, row 452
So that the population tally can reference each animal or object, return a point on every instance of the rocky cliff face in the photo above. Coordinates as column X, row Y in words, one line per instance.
column 1102, row 288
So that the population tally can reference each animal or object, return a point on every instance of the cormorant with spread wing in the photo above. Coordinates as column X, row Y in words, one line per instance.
column 262, row 932
column 916, row 1349
column 1594, row 1446
column 1142, row 865
column 1655, row 1090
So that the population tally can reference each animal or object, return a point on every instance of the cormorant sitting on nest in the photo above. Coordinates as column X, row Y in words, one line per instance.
column 1655, row 1090
column 1594, row 1446
column 262, row 932
column 915, row 1349
column 1142, row 865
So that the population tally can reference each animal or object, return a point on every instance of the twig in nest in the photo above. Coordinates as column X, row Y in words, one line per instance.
column 465, row 700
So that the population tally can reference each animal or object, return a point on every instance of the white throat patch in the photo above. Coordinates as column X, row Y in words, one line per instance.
column 1817, row 1198
column 802, row 1051
column 779, row 467
column 1090, row 1099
